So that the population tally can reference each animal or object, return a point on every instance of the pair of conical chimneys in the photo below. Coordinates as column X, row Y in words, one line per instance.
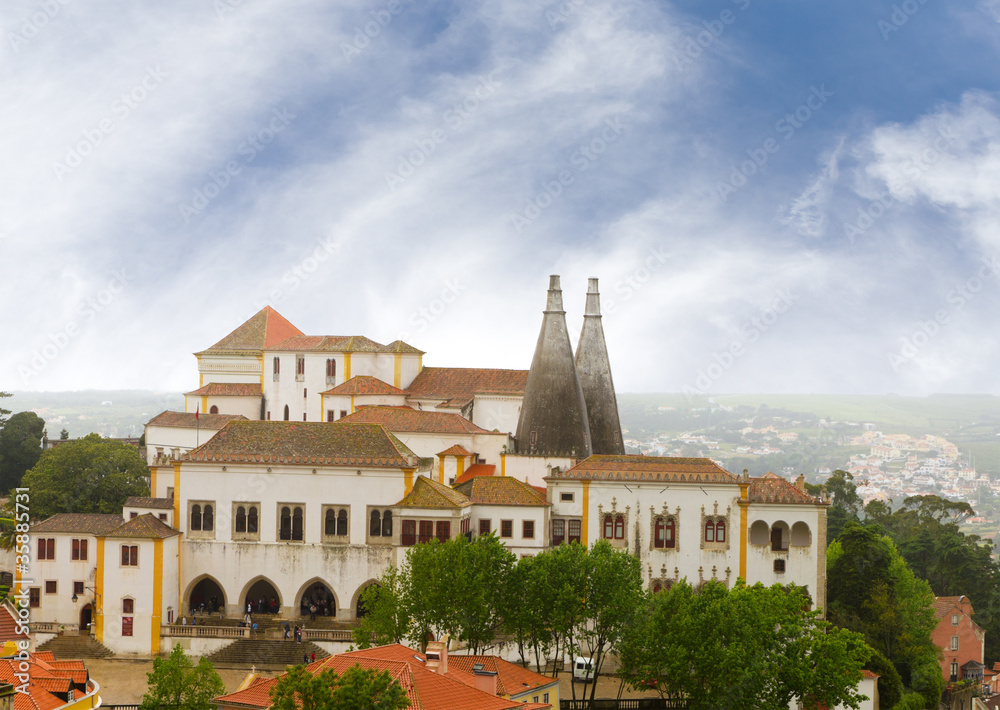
column 569, row 406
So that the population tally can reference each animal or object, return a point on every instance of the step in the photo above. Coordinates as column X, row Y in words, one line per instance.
column 67, row 647
column 264, row 654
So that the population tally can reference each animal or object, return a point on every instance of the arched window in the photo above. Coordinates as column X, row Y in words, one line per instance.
column 331, row 369
column 285, row 530
column 330, row 522
column 196, row 517
column 657, row 587
column 277, row 366
column 297, row 523
column 387, row 524
column 663, row 532
column 609, row 527
column 208, row 519
column 720, row 531
column 342, row 522
column 375, row 526
column 619, row 527
column 252, row 519
column 709, row 531
column 213, row 410
column 286, row 412
column 241, row 519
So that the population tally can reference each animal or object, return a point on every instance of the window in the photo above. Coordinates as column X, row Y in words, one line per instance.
column 213, row 410
column 720, row 531
column 276, row 368
column 443, row 530
column 130, row 555
column 375, row 524
column 534, row 438
column 331, row 370
column 286, row 412
column 387, row 524
column 246, row 518
column 954, row 619
column 954, row 639
column 709, row 531
column 528, row 529
column 330, row 416
column 614, row 527
column 566, row 497
column 47, row 548
column 78, row 588
column 506, row 528
column 79, row 549
column 664, row 532
column 305, row 393
column 545, row 697
column 34, row 597
column 779, row 566
column 426, row 528
column 485, row 526
column 574, row 531
column 300, row 368
column 290, row 523
column 128, row 606
column 343, row 413
column 466, row 528
column 133, row 515
column 954, row 671
column 558, row 532
column 202, row 517
column 50, row 586
column 335, row 521
column 163, row 517
column 126, row 626
column 409, row 535
column 713, row 534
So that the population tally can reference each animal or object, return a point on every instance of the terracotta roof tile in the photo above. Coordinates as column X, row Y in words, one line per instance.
column 187, row 420
column 329, row 344
column 944, row 605
column 333, row 444
column 8, row 623
column 512, row 679
column 428, row 493
column 228, row 389
column 262, row 330
column 500, row 490
column 405, row 419
column 44, row 679
column 477, row 469
column 143, row 527
column 458, row 385
column 772, row 488
column 398, row 346
column 456, row 450
column 364, row 385
column 144, row 502
column 87, row 523
column 646, row 468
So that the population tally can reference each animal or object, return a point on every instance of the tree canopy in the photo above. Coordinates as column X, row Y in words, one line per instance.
column 175, row 683
column 89, row 475
column 746, row 648
column 20, row 448
column 356, row 688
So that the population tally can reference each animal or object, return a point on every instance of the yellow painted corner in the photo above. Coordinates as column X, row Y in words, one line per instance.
column 397, row 370
column 584, row 532
column 154, row 624
column 97, row 618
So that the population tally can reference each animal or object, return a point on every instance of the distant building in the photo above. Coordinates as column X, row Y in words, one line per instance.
column 960, row 639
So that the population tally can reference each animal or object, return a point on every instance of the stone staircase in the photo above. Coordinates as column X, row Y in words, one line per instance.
column 264, row 654
column 70, row 646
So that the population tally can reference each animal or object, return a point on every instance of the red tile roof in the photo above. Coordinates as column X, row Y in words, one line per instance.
column 413, row 421
column 772, row 488
column 334, row 444
column 329, row 344
column 146, row 502
column 264, row 329
column 228, row 389
column 646, row 468
column 458, row 385
column 87, row 523
column 428, row 493
column 500, row 490
column 143, row 527
column 187, row 420
column 9, row 624
column 944, row 605
column 45, row 677
column 512, row 679
column 476, row 469
column 364, row 385
column 456, row 450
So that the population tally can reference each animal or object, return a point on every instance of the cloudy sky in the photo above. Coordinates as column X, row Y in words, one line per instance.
column 777, row 196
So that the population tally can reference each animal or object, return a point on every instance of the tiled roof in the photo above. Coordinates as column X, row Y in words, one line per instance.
column 455, row 450
column 88, row 523
column 772, row 488
column 329, row 344
column 458, row 385
column 266, row 328
column 336, row 444
column 405, row 419
column 143, row 527
column 364, row 384
column 398, row 346
column 512, row 679
column 45, row 678
column 187, row 420
column 228, row 389
column 500, row 490
column 944, row 605
column 143, row 502
column 477, row 469
column 8, row 623
column 428, row 493
column 646, row 468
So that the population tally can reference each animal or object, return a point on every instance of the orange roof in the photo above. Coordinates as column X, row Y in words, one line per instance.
column 646, row 468
column 944, row 605
column 143, row 527
column 477, row 469
column 412, row 421
column 428, row 493
column 365, row 385
column 456, row 450
column 228, row 389
column 772, row 488
column 8, row 623
column 45, row 678
column 187, row 420
column 329, row 344
column 458, row 385
column 501, row 490
column 512, row 679
column 264, row 329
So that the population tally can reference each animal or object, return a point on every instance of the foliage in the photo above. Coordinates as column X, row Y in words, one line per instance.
column 771, row 646
column 4, row 412
column 356, row 688
column 386, row 620
column 175, row 682
column 845, row 503
column 89, row 475
column 20, row 448
column 64, row 435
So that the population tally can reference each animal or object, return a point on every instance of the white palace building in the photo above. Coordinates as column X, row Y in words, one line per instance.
column 304, row 466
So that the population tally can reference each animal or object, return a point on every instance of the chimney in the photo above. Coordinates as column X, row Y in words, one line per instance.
column 594, row 370
column 485, row 681
column 800, row 482
column 437, row 657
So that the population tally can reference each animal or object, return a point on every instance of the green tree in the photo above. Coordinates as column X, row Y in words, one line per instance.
column 20, row 448
column 3, row 412
column 64, row 435
column 563, row 596
column 526, row 602
column 356, row 688
column 772, row 647
column 175, row 683
column 845, row 503
column 89, row 475
column 386, row 619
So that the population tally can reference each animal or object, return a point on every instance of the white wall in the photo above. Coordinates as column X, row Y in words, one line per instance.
column 60, row 607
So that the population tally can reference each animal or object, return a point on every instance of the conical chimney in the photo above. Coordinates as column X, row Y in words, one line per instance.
column 553, row 419
column 594, row 370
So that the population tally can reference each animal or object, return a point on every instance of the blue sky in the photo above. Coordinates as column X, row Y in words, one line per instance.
column 777, row 197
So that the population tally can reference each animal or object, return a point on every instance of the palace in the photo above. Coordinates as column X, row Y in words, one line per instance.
column 303, row 467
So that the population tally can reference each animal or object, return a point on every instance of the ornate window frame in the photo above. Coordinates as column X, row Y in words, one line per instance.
column 622, row 518
column 715, row 519
column 666, row 516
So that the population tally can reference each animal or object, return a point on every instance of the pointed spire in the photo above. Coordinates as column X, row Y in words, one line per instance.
column 594, row 370
column 553, row 419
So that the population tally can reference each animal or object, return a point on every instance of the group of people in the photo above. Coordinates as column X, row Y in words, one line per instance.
column 298, row 632
column 262, row 605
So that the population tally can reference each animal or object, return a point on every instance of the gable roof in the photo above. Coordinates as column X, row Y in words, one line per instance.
column 143, row 527
column 364, row 385
column 944, row 605
column 146, row 502
column 86, row 523
column 427, row 493
column 46, row 677
column 646, row 468
column 228, row 389
column 500, row 490
column 413, row 421
column 458, row 385
column 455, row 450
column 512, row 679
column 772, row 488
column 335, row 444
column 264, row 329
column 328, row 343
column 476, row 469
column 9, row 623
column 187, row 420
